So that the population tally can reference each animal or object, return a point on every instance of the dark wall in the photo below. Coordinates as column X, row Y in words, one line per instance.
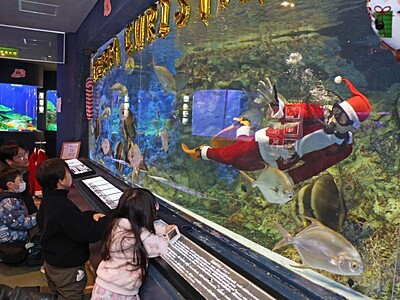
column 33, row 72
column 95, row 31
column 50, row 80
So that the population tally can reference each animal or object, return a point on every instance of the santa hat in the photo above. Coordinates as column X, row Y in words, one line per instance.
column 357, row 107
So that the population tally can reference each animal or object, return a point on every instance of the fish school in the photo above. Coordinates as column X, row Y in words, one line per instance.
column 200, row 150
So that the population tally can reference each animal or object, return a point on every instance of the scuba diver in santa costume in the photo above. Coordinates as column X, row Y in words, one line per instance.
column 325, row 140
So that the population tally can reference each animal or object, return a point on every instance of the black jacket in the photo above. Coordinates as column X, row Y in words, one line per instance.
column 66, row 231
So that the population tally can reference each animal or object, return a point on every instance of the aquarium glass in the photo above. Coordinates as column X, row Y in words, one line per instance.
column 51, row 116
column 17, row 107
column 192, row 88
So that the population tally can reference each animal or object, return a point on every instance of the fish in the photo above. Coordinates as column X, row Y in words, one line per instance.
column 326, row 204
column 323, row 248
column 122, row 111
column 97, row 128
column 129, row 125
column 106, row 113
column 106, row 147
column 165, row 78
column 178, row 187
column 119, row 156
column 120, row 88
column 164, row 140
column 171, row 83
column 320, row 200
column 135, row 159
column 129, row 65
column 273, row 183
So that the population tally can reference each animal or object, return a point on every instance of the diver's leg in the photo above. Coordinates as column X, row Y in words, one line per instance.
column 242, row 154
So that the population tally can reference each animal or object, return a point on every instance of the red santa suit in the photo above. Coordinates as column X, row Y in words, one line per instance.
column 298, row 127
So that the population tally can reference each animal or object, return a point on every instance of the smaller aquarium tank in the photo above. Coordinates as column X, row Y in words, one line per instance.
column 17, row 107
column 51, row 117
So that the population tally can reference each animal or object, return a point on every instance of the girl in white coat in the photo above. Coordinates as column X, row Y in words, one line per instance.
column 130, row 239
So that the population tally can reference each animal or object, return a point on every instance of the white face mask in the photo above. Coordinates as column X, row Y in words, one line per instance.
column 21, row 187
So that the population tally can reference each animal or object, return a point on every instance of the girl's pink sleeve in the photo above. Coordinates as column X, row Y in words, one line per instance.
column 156, row 245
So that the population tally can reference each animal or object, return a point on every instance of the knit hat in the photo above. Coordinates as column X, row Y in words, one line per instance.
column 357, row 107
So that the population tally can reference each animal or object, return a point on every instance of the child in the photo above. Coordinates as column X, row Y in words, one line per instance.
column 130, row 239
column 14, row 221
column 12, row 154
column 66, row 231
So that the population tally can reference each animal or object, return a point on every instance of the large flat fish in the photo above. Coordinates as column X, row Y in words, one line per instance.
column 119, row 156
column 273, row 184
column 323, row 248
column 321, row 200
column 166, row 79
column 129, row 126
column 328, row 207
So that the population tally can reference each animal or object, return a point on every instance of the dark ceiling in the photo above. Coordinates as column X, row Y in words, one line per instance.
column 37, row 27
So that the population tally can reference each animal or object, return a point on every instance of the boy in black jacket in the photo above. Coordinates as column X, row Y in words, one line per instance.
column 66, row 231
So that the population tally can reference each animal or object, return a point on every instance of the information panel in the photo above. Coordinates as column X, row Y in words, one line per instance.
column 104, row 190
column 208, row 275
column 78, row 168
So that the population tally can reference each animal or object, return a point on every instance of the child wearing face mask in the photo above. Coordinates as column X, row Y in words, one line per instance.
column 15, row 223
column 66, row 231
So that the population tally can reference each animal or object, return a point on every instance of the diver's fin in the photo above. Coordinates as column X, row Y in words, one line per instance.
column 194, row 153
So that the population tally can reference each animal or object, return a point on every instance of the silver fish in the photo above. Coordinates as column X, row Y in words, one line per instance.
column 164, row 140
column 123, row 112
column 323, row 248
column 171, row 83
column 273, row 184
column 178, row 187
column 106, row 147
column 129, row 65
column 165, row 78
column 106, row 113
column 120, row 88
column 135, row 159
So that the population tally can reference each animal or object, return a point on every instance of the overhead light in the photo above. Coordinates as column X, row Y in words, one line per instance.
column 37, row 8
column 37, row 42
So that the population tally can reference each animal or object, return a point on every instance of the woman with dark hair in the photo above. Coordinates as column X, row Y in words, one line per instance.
column 130, row 239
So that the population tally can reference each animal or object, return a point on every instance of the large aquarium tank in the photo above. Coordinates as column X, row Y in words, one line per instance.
column 18, row 107
column 51, row 111
column 277, row 118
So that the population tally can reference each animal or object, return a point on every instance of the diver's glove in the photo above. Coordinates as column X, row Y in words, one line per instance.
column 268, row 92
column 288, row 161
